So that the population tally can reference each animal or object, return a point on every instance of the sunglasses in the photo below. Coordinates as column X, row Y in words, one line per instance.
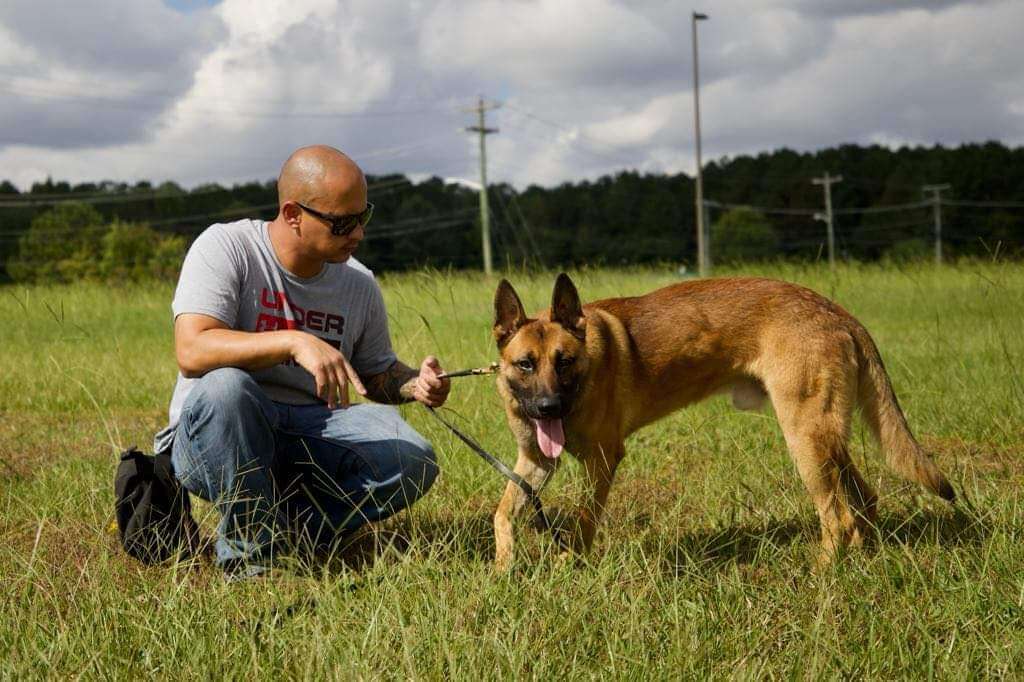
column 341, row 225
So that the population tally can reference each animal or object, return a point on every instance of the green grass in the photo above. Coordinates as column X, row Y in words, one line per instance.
column 703, row 567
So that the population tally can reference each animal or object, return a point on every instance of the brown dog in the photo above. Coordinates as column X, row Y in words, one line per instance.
column 585, row 377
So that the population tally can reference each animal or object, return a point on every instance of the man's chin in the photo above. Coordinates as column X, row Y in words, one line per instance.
column 340, row 258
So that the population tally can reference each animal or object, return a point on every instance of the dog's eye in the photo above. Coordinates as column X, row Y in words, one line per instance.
column 526, row 364
column 564, row 362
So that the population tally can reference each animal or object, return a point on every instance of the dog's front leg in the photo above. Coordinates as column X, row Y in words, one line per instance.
column 600, row 464
column 535, row 469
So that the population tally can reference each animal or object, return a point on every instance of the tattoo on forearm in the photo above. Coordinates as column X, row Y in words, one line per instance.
column 392, row 386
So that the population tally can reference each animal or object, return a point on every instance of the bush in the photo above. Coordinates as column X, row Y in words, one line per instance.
column 742, row 235
column 909, row 251
column 61, row 245
column 165, row 264
column 69, row 243
column 127, row 250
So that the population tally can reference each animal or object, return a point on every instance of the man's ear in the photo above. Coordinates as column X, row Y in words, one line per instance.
column 509, row 315
column 566, row 309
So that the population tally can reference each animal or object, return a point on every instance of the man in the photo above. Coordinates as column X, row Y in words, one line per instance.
column 272, row 324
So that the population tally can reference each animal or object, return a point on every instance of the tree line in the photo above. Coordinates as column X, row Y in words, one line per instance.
column 626, row 218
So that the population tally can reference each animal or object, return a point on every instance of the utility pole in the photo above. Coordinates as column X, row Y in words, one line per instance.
column 702, row 257
column 828, row 180
column 936, row 191
column 485, row 212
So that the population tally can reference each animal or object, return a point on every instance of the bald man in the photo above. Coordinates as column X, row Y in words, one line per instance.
column 274, row 323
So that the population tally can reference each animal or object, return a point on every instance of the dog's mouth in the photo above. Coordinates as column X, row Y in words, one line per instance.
column 550, row 436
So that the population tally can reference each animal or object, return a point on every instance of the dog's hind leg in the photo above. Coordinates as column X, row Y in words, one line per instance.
column 535, row 469
column 815, row 415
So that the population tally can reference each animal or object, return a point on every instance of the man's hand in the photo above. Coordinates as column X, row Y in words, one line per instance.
column 400, row 383
column 332, row 371
column 430, row 389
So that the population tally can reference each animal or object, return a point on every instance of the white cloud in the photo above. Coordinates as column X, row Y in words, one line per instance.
column 591, row 86
column 84, row 74
column 546, row 43
column 640, row 128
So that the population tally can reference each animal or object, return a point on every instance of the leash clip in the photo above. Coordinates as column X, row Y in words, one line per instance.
column 476, row 371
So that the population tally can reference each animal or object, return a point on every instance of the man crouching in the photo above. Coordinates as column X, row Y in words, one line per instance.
column 272, row 323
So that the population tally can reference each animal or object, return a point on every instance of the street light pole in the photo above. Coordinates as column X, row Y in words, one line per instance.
column 702, row 264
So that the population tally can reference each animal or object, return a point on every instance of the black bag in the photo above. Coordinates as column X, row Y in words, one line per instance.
column 154, row 516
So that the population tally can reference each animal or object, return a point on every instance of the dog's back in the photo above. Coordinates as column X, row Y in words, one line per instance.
column 690, row 340
column 693, row 339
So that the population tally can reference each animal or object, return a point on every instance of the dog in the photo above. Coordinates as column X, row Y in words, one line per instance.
column 582, row 378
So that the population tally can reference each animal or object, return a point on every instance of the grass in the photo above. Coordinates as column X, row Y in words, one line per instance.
column 703, row 567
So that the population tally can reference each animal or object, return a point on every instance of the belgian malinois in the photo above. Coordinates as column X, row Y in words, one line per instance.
column 583, row 378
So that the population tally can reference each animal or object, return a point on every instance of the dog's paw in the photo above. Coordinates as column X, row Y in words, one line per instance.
column 503, row 562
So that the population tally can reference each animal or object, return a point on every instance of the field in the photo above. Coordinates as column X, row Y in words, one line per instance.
column 703, row 567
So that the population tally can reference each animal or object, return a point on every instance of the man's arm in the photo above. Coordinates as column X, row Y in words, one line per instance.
column 392, row 386
column 400, row 383
column 203, row 343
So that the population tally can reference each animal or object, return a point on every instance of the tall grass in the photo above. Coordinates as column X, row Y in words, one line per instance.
column 702, row 567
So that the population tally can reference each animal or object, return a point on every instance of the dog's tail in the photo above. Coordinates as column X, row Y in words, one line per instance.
column 882, row 412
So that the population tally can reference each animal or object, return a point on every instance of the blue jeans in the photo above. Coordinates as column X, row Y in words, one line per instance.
column 282, row 475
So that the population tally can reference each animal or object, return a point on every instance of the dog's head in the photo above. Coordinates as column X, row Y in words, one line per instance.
column 542, row 360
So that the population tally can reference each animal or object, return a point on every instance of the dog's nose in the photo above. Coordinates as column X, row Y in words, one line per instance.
column 550, row 406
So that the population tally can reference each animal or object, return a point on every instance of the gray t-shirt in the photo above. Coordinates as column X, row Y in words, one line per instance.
column 232, row 273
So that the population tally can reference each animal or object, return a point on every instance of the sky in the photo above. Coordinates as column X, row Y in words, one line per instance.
column 198, row 91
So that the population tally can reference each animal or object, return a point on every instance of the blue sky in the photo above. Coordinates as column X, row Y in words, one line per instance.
column 190, row 5
column 196, row 91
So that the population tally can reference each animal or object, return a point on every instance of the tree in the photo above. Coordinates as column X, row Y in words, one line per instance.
column 61, row 245
column 742, row 235
column 128, row 249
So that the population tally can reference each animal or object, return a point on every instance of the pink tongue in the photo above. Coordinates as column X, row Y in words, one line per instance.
column 550, row 436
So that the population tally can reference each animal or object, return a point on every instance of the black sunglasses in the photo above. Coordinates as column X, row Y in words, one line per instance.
column 341, row 225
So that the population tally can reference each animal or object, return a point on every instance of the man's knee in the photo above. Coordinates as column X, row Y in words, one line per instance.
column 226, row 431
column 227, row 401
column 228, row 389
column 409, row 454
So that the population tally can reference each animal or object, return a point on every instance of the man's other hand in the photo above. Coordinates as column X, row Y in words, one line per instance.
column 430, row 388
column 332, row 371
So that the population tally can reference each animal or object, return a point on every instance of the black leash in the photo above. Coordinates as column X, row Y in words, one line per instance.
column 498, row 465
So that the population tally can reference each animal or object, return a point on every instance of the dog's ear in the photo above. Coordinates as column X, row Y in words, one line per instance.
column 509, row 315
column 565, row 307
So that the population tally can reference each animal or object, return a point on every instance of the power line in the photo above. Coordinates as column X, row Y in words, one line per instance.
column 984, row 204
column 247, row 112
column 573, row 138
column 378, row 229
column 18, row 77
column 760, row 209
column 55, row 198
column 130, row 197
column 529, row 232
column 512, row 227
column 425, row 227
column 882, row 209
